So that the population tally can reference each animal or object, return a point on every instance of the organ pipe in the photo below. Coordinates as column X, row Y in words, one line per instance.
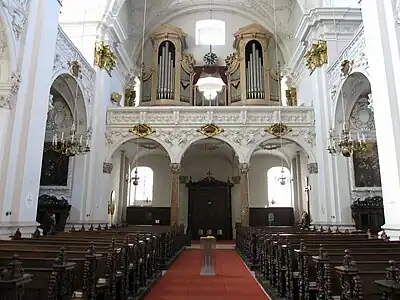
column 166, row 71
column 255, row 81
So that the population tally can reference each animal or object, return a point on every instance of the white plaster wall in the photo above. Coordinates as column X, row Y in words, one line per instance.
column 162, row 178
column 258, row 183
column 232, row 24
column 117, row 86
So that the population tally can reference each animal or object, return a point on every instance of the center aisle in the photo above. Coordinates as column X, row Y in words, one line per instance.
column 183, row 281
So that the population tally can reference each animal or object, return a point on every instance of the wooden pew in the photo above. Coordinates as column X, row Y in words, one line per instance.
column 299, row 272
column 129, row 264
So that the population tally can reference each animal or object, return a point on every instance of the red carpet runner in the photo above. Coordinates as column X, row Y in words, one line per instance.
column 183, row 281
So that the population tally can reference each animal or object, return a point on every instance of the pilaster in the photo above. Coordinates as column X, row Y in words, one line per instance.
column 384, row 61
column 244, row 194
column 175, row 171
column 94, row 197
column 21, row 164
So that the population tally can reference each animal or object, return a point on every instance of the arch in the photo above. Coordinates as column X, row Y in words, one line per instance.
column 342, row 84
column 11, row 42
column 305, row 147
column 234, row 9
column 182, row 151
column 70, row 83
column 62, row 72
column 123, row 140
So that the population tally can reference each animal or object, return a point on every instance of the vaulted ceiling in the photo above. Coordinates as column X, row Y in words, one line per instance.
column 282, row 14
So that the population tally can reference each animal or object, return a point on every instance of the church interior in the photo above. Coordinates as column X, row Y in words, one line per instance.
column 205, row 149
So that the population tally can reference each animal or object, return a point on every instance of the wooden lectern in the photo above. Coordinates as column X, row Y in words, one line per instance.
column 208, row 246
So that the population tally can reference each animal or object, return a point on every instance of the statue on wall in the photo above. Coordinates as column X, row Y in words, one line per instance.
column 366, row 167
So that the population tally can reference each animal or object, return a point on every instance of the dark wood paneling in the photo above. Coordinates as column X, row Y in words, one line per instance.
column 283, row 216
column 137, row 215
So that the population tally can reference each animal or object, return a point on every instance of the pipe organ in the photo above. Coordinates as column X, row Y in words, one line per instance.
column 250, row 78
column 166, row 71
column 170, row 75
column 169, row 81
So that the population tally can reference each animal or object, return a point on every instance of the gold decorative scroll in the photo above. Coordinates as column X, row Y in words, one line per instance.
column 278, row 129
column 141, row 130
column 317, row 55
column 104, row 58
column 210, row 130
column 75, row 68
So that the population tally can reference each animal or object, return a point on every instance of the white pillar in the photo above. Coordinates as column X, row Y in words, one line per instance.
column 96, row 205
column 20, row 171
column 382, row 36
column 326, row 191
column 343, row 192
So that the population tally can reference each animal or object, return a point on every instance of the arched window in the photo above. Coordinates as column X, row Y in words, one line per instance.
column 210, row 32
column 142, row 193
column 279, row 187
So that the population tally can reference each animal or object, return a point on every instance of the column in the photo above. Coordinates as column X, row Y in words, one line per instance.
column 313, row 194
column 107, row 179
column 175, row 170
column 95, row 211
column 127, row 187
column 343, row 190
column 382, row 37
column 22, row 159
column 326, row 190
column 244, row 194
column 121, row 188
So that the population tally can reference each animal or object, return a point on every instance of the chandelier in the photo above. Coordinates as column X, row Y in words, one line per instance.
column 344, row 143
column 70, row 143
column 282, row 180
column 134, row 179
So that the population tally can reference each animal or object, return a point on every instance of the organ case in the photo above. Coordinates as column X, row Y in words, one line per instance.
column 172, row 73
column 249, row 73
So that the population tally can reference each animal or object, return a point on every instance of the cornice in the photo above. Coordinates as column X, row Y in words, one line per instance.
column 322, row 23
column 331, row 15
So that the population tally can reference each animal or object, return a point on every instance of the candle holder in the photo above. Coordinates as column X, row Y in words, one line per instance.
column 71, row 144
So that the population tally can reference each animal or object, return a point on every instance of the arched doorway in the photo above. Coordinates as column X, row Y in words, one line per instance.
column 209, row 196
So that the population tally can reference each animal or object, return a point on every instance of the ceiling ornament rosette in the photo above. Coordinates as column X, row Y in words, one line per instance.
column 67, row 52
column 177, row 129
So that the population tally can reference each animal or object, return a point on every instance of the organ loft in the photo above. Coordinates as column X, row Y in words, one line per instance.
column 247, row 76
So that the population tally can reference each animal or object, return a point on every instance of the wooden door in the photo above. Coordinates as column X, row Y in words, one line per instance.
column 210, row 207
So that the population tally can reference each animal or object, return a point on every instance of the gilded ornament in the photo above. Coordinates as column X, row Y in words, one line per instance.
column 116, row 98
column 104, row 58
column 278, row 129
column 130, row 95
column 291, row 97
column 210, row 130
column 317, row 55
column 75, row 68
column 141, row 130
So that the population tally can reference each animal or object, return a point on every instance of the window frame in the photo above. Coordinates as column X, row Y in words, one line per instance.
column 207, row 25
column 134, row 201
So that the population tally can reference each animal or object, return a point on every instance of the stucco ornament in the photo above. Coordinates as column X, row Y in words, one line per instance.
column 67, row 52
column 18, row 11
column 9, row 91
column 354, row 52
